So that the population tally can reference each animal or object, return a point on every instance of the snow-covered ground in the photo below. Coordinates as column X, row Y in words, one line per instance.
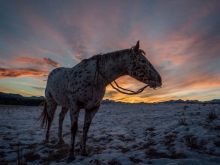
column 120, row 134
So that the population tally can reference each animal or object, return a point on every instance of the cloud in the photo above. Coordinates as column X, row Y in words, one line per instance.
column 37, row 60
column 51, row 62
column 27, row 67
column 38, row 88
column 12, row 73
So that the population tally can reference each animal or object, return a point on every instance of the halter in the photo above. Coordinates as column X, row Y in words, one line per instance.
column 115, row 85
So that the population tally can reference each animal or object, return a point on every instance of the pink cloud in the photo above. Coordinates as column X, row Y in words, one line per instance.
column 37, row 60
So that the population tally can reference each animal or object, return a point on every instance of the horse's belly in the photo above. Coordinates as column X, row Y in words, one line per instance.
column 94, row 99
column 58, row 93
column 63, row 101
column 59, row 97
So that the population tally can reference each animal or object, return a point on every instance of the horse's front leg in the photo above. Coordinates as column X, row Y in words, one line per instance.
column 74, row 113
column 89, row 114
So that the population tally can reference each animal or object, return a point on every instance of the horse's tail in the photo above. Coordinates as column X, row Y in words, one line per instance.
column 44, row 117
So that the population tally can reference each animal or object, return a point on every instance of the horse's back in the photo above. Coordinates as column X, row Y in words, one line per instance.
column 75, row 83
column 56, row 75
column 57, row 72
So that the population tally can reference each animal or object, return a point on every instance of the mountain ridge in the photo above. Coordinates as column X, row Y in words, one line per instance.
column 17, row 99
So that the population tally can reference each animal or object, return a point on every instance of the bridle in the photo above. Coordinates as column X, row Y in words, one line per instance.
column 130, row 92
column 114, row 84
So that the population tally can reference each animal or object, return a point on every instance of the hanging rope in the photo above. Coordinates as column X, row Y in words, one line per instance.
column 116, row 86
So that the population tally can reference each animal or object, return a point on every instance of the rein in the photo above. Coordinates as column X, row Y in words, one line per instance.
column 115, row 85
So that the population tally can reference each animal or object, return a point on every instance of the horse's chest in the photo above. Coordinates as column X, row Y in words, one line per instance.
column 92, row 93
column 91, row 96
column 84, row 86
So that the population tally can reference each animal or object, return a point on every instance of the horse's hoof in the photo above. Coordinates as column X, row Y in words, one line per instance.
column 60, row 143
column 84, row 153
column 83, row 150
column 70, row 158
column 46, row 141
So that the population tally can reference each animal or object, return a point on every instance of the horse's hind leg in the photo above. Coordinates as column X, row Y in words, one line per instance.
column 61, row 118
column 51, row 107
column 74, row 113
column 89, row 114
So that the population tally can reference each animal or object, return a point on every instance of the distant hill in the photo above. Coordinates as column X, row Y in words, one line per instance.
column 16, row 99
column 215, row 101
column 182, row 101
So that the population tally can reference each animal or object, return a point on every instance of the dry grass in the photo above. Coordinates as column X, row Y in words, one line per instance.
column 135, row 160
column 217, row 143
column 212, row 115
column 31, row 156
column 153, row 153
column 114, row 162
column 20, row 157
column 185, row 107
column 192, row 142
column 177, row 155
column 169, row 139
column 182, row 121
column 95, row 162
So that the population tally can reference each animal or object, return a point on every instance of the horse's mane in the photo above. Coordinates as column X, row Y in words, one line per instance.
column 115, row 55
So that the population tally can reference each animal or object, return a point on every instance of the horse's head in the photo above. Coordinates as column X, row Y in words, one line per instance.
column 141, row 69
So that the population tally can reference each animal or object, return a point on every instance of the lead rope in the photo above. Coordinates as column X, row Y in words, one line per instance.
column 127, row 93
column 117, row 88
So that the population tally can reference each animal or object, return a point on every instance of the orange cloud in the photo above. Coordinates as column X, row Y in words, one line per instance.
column 21, row 73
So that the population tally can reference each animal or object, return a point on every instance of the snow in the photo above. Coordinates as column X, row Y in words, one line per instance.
column 119, row 134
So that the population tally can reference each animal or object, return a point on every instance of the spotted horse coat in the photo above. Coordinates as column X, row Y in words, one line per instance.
column 83, row 87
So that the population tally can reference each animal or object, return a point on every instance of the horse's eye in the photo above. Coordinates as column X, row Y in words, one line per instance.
column 143, row 61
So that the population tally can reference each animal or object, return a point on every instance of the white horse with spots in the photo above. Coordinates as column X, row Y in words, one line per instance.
column 83, row 87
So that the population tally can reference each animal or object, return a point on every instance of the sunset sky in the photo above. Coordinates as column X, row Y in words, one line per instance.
column 181, row 38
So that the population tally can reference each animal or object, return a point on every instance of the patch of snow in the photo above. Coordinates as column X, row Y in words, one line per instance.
column 119, row 134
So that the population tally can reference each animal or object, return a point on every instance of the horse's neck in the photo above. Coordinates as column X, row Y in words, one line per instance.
column 114, row 68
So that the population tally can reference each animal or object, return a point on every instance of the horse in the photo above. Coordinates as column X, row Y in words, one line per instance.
column 83, row 87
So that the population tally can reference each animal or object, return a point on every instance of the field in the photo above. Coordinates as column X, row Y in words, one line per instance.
column 120, row 134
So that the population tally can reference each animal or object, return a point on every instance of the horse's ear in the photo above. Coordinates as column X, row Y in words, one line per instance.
column 136, row 47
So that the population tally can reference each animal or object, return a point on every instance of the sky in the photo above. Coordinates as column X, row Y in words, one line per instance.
column 180, row 38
